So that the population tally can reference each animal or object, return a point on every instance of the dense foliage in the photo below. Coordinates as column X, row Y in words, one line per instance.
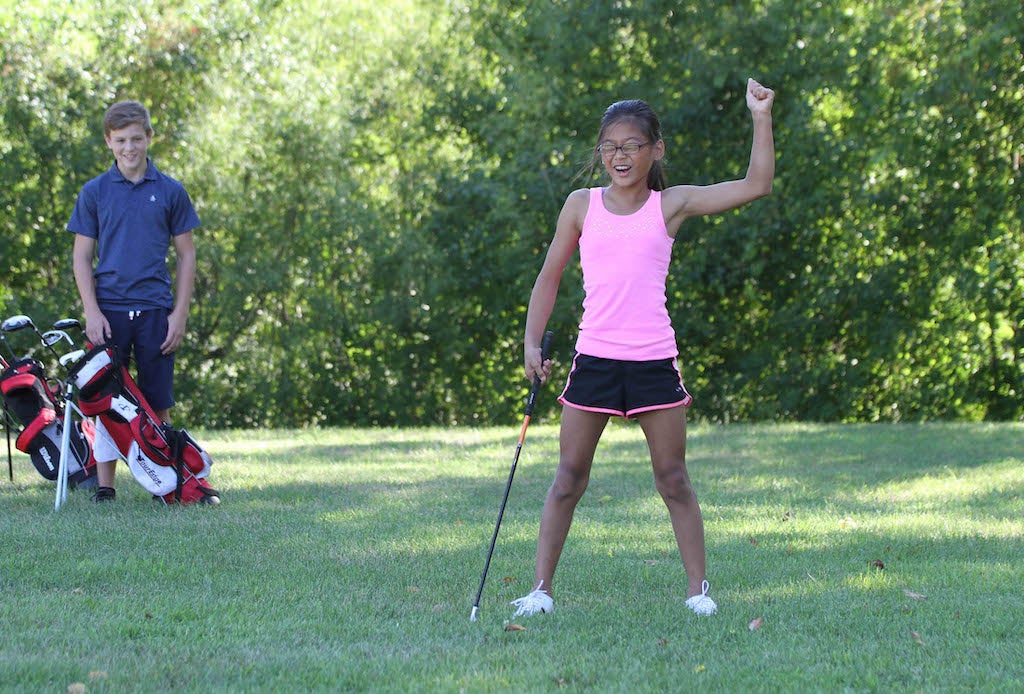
column 378, row 181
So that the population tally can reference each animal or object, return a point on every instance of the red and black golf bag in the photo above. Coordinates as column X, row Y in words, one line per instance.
column 167, row 462
column 30, row 400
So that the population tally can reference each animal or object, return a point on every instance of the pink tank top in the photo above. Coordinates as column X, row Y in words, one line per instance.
column 625, row 261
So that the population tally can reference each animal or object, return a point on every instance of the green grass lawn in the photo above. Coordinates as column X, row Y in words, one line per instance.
column 876, row 557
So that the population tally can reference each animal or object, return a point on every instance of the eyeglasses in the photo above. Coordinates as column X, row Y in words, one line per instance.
column 607, row 149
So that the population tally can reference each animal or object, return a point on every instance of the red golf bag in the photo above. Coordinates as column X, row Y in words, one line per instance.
column 30, row 400
column 167, row 462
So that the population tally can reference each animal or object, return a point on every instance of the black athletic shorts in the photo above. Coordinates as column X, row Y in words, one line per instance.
column 624, row 388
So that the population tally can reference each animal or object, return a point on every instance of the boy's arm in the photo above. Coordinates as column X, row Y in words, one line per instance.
column 184, row 281
column 97, row 329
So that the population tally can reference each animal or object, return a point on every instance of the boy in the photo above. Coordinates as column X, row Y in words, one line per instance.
column 126, row 218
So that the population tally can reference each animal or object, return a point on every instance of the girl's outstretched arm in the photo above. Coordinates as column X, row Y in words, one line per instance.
column 545, row 289
column 695, row 201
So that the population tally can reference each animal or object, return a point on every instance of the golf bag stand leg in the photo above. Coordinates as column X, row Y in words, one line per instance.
column 65, row 450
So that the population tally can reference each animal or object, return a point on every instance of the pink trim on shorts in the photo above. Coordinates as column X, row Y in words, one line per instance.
column 599, row 410
column 685, row 402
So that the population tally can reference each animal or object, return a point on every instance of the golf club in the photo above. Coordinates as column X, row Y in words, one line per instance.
column 545, row 351
column 10, row 325
column 67, row 324
column 14, row 324
column 7, row 423
column 71, row 358
column 7, row 346
column 19, row 322
column 52, row 337
column 59, row 332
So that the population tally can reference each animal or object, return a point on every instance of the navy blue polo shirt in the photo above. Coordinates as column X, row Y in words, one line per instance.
column 133, row 224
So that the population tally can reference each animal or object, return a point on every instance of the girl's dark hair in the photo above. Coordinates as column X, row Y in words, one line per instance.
column 644, row 116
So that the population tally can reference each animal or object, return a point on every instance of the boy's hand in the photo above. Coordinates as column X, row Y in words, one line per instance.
column 175, row 333
column 97, row 329
column 759, row 97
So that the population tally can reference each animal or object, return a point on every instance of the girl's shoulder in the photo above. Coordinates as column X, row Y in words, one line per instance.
column 578, row 200
column 675, row 198
column 676, row 192
column 574, row 211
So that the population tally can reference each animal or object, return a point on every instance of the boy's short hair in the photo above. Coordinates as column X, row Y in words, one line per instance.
column 125, row 113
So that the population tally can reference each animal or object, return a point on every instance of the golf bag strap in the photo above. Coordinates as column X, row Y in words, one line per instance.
column 176, row 440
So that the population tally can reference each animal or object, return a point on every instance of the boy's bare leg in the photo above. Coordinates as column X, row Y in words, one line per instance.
column 105, row 473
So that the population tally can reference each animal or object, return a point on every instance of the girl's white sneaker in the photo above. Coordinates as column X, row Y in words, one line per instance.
column 701, row 604
column 536, row 601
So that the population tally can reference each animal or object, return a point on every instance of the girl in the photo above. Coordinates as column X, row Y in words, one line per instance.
column 625, row 362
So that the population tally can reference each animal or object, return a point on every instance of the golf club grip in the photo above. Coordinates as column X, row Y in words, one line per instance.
column 545, row 354
column 545, row 345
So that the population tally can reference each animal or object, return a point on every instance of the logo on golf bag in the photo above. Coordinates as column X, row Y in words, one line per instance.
column 155, row 479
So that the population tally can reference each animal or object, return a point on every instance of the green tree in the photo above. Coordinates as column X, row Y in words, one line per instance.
column 378, row 182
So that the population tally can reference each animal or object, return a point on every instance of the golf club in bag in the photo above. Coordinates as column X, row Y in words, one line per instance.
column 545, row 351
column 7, row 426
column 48, row 432
column 167, row 462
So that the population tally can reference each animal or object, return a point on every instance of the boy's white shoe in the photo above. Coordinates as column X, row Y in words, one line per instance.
column 701, row 604
column 536, row 601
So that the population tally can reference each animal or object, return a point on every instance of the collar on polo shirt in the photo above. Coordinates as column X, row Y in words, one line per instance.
column 150, row 175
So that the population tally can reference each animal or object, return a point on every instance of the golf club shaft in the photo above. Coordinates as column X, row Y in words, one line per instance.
column 7, row 346
column 530, row 401
column 10, row 460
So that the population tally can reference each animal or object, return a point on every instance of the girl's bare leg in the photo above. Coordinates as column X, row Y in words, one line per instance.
column 580, row 433
column 666, row 438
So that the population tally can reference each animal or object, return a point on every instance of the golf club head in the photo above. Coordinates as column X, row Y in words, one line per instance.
column 70, row 358
column 18, row 322
column 52, row 337
column 67, row 324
